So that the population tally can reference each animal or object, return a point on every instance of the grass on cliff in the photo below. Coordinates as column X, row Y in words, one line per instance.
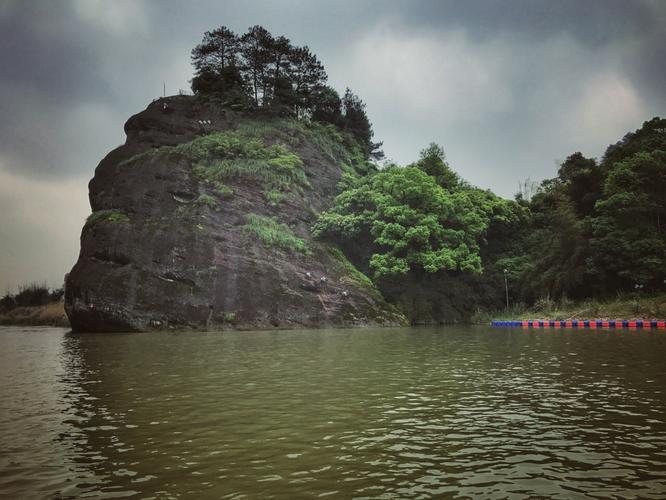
column 273, row 234
column 282, row 171
column 351, row 275
column 274, row 197
column 261, row 150
column 622, row 307
column 238, row 156
column 110, row 215
column 337, row 145
column 231, row 156
column 207, row 200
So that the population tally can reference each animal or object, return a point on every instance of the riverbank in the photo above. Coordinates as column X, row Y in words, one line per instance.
column 52, row 314
column 646, row 307
column 628, row 307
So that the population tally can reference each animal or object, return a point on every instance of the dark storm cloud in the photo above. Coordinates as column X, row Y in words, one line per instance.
column 592, row 22
column 597, row 24
column 54, row 59
column 50, row 72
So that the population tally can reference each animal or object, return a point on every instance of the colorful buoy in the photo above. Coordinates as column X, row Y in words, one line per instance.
column 584, row 323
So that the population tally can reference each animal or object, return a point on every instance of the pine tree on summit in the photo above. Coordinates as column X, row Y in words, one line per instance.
column 255, row 51
column 216, row 65
column 357, row 123
column 257, row 71
column 269, row 72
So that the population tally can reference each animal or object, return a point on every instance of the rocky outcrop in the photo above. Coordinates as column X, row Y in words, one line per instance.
column 202, row 220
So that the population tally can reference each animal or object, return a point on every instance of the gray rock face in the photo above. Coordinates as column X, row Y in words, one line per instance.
column 164, row 249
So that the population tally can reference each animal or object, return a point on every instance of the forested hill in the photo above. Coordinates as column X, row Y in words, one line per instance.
column 599, row 227
column 259, row 202
column 441, row 248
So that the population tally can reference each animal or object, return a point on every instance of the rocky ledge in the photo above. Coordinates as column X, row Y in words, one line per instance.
column 202, row 220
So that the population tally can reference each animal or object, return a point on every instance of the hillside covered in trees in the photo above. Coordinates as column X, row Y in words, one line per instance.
column 262, row 204
column 432, row 243
column 598, row 228
column 440, row 248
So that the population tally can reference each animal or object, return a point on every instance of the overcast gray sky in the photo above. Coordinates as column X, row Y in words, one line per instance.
column 508, row 89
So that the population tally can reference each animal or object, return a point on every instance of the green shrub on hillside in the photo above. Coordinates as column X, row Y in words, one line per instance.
column 273, row 234
column 237, row 156
column 353, row 277
column 228, row 145
column 207, row 200
column 336, row 144
column 222, row 190
column 110, row 215
column 274, row 197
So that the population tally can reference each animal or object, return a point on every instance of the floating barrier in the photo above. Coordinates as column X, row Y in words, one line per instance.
column 584, row 323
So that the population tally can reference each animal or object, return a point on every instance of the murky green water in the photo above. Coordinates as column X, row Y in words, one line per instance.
column 395, row 413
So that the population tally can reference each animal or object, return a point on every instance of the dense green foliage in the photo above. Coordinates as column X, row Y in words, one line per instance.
column 441, row 248
column 417, row 219
column 238, row 156
column 419, row 225
column 628, row 234
column 257, row 71
column 597, row 229
column 229, row 155
column 273, row 167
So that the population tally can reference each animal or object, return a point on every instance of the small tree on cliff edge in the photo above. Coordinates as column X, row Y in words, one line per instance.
column 356, row 122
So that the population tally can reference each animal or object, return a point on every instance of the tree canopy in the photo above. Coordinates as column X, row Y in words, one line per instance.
column 259, row 71
column 415, row 219
column 598, row 229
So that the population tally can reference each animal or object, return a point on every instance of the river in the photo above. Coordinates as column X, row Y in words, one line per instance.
column 367, row 413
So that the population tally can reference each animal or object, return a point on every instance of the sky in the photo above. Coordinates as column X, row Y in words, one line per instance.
column 508, row 88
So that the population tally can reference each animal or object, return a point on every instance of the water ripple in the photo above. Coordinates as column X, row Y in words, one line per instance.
column 413, row 413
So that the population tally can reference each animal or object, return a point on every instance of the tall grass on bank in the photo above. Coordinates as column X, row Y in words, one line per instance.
column 628, row 306
column 34, row 304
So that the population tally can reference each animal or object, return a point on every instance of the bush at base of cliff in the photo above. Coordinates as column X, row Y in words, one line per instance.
column 421, row 233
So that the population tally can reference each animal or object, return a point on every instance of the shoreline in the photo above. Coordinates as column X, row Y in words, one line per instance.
column 627, row 308
column 631, row 308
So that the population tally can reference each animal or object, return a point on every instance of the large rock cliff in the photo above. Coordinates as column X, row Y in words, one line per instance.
column 202, row 220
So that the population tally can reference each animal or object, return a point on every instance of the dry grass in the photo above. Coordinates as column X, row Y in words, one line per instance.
column 626, row 307
column 52, row 314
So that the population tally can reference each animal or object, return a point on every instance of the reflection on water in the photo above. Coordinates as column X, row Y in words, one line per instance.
column 394, row 413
